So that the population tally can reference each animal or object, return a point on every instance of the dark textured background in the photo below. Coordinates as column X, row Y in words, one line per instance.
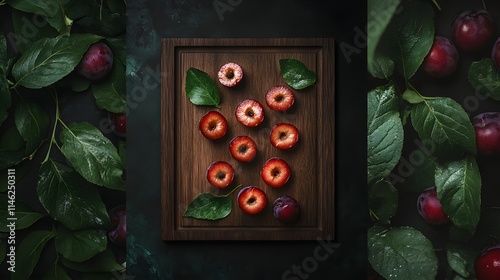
column 150, row 20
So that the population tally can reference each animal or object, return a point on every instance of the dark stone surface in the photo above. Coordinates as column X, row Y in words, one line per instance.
column 148, row 257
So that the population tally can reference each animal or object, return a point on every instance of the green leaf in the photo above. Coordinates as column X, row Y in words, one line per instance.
column 11, row 140
column 92, row 155
column 26, row 32
column 100, row 20
column 422, row 175
column 296, row 74
column 383, row 201
column 201, row 89
column 380, row 13
column 381, row 67
column 110, row 93
column 122, row 151
column 28, row 253
column 5, row 97
column 412, row 97
column 401, row 253
column 56, row 273
column 10, row 158
column 102, row 262
column 385, row 132
column 119, row 47
column 32, row 122
column 4, row 56
column 461, row 259
column 21, row 211
column 80, row 245
column 209, row 207
column 52, row 10
column 50, row 59
column 446, row 124
column 458, row 186
column 67, row 199
column 484, row 77
column 408, row 37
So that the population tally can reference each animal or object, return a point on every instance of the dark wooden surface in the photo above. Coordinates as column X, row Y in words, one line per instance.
column 186, row 154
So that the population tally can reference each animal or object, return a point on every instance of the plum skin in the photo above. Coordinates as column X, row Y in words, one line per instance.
column 442, row 59
column 97, row 62
column 118, row 232
column 118, row 124
column 495, row 53
column 487, row 264
column 487, row 129
column 429, row 207
column 473, row 30
column 286, row 209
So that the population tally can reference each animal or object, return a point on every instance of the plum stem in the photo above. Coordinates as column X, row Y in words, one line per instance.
column 56, row 120
column 237, row 187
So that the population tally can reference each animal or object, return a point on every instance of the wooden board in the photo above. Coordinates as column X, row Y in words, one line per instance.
column 186, row 154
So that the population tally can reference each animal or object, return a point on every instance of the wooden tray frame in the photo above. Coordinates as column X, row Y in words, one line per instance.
column 171, row 90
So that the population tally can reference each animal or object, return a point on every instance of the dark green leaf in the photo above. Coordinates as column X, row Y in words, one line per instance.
column 401, row 253
column 296, row 74
column 110, row 93
column 122, row 151
column 118, row 46
column 485, row 78
column 422, row 173
column 68, row 199
column 446, row 124
column 80, row 245
column 92, row 155
column 380, row 14
column 32, row 122
column 117, row 6
column 76, row 9
column 21, row 211
column 28, row 253
column 102, row 262
column 385, row 132
column 5, row 98
column 461, row 259
column 408, row 37
column 9, row 158
column 4, row 56
column 381, row 67
column 52, row 10
column 201, row 89
column 100, row 20
column 458, row 186
column 57, row 273
column 50, row 59
column 383, row 201
column 11, row 140
column 209, row 207
column 26, row 32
